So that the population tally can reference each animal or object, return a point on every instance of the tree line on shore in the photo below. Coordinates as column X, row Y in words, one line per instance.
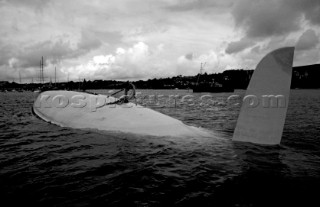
column 302, row 77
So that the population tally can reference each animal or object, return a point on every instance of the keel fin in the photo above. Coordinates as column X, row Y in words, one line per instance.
column 264, row 107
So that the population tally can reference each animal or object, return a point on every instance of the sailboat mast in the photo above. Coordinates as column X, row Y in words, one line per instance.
column 201, row 69
column 40, row 71
column 42, row 76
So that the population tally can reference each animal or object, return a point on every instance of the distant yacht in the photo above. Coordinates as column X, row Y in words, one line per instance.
column 212, row 87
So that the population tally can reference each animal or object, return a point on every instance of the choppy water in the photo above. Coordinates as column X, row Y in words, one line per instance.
column 45, row 165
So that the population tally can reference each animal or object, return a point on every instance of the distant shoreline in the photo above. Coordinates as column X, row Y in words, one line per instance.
column 303, row 77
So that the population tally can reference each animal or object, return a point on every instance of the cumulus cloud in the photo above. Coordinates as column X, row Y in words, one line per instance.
column 274, row 24
column 261, row 19
column 310, row 9
column 307, row 40
column 53, row 50
column 142, row 61
column 237, row 46
column 88, row 41
column 138, row 61
column 189, row 56
column 27, row 56
column 214, row 62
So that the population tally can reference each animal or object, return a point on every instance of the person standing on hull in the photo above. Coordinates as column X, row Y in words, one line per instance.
column 127, row 86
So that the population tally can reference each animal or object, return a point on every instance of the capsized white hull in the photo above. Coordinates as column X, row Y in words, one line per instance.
column 88, row 111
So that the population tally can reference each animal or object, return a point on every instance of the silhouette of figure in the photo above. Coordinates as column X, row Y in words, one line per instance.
column 127, row 87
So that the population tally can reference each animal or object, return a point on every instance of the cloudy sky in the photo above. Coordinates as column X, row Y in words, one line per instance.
column 141, row 39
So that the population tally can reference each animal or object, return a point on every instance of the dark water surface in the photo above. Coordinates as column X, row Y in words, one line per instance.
column 45, row 165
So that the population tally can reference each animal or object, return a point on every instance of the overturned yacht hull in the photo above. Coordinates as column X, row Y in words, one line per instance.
column 88, row 111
